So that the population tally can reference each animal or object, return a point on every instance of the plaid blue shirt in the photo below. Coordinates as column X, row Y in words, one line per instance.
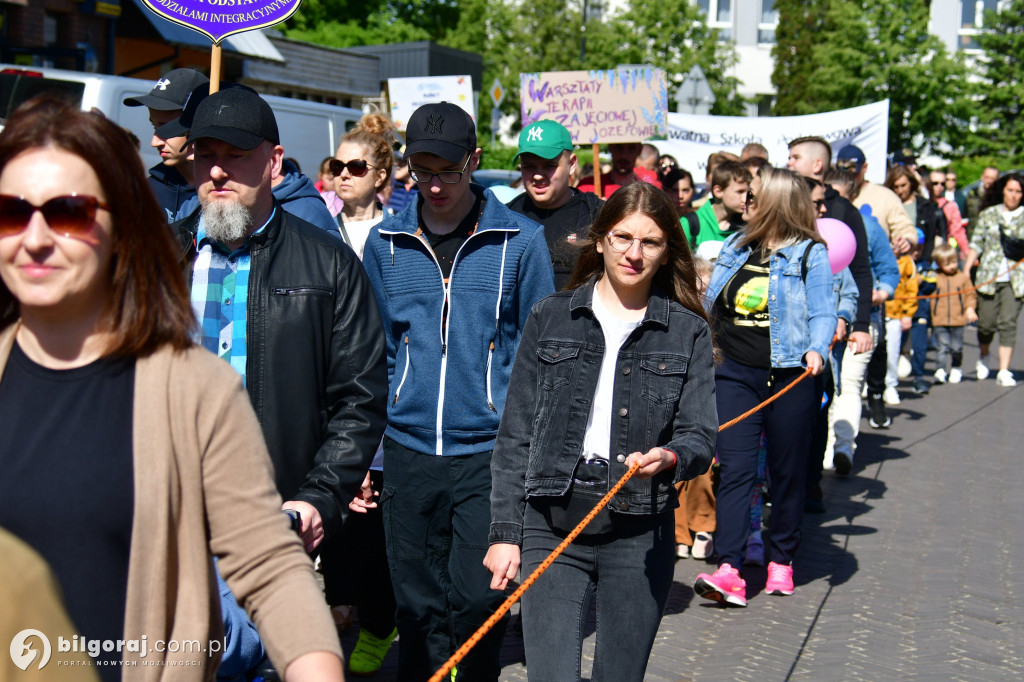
column 220, row 294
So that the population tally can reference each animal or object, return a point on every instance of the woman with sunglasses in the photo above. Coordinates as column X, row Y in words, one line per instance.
column 362, row 168
column 131, row 457
column 615, row 370
column 770, row 297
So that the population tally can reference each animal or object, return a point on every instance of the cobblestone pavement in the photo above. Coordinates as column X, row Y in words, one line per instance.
column 911, row 574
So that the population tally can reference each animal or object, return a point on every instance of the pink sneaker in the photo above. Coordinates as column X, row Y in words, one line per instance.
column 780, row 579
column 724, row 585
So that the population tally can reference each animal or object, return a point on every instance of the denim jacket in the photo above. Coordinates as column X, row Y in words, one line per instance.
column 664, row 395
column 803, row 315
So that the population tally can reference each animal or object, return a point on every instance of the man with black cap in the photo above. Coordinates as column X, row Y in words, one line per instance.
column 289, row 307
column 172, row 178
column 456, row 274
column 886, row 207
column 547, row 161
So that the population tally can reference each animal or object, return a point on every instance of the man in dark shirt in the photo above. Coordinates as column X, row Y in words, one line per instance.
column 547, row 161
column 172, row 179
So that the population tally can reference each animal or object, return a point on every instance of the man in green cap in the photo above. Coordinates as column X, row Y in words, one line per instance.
column 546, row 160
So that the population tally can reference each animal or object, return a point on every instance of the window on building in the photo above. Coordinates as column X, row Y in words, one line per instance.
column 767, row 20
column 719, row 14
column 972, row 21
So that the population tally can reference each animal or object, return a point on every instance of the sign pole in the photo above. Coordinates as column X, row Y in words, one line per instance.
column 214, row 68
column 597, row 171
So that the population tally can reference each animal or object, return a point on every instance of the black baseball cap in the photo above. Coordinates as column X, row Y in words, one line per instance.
column 443, row 129
column 236, row 115
column 181, row 125
column 171, row 91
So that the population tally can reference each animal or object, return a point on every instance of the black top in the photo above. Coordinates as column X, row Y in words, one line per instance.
column 446, row 246
column 564, row 227
column 744, row 331
column 67, row 483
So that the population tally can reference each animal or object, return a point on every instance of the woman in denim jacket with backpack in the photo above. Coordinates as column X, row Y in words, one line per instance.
column 615, row 370
column 771, row 300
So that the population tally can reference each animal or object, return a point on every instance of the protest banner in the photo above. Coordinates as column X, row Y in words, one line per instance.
column 692, row 138
column 218, row 19
column 406, row 95
column 616, row 105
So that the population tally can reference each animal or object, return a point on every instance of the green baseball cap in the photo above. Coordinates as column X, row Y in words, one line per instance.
column 547, row 139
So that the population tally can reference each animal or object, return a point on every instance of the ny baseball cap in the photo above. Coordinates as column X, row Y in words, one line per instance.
column 849, row 154
column 236, row 115
column 546, row 139
column 440, row 128
column 171, row 91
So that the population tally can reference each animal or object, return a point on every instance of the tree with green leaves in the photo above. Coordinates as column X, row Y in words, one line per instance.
column 1000, row 115
column 834, row 54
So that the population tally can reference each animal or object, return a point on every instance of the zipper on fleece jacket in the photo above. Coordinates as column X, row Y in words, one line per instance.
column 405, row 371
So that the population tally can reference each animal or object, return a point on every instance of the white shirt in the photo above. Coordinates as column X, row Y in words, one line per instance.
column 597, row 440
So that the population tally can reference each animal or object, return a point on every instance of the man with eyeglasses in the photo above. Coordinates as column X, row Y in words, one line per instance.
column 456, row 274
column 546, row 160
column 886, row 207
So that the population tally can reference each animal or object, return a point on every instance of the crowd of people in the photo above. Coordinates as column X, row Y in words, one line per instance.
column 435, row 387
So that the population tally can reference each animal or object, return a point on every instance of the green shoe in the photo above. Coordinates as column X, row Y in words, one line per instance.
column 368, row 656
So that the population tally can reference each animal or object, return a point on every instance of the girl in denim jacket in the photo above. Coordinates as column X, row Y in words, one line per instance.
column 773, row 317
column 615, row 370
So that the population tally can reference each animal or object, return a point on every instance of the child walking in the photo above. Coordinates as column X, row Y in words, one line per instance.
column 951, row 312
column 899, row 316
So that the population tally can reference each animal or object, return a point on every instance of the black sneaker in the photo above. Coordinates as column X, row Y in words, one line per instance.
column 920, row 386
column 879, row 416
column 842, row 463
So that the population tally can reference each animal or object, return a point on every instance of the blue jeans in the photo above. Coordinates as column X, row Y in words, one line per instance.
column 628, row 571
column 437, row 512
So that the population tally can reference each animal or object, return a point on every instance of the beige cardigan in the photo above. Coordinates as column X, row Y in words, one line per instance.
column 204, row 487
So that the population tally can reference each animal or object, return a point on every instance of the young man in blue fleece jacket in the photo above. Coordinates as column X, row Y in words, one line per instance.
column 456, row 274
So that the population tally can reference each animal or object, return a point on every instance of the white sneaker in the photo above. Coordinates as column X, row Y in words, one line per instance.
column 981, row 368
column 683, row 551
column 903, row 368
column 940, row 376
column 864, row 391
column 892, row 397
column 1005, row 378
column 955, row 375
column 701, row 545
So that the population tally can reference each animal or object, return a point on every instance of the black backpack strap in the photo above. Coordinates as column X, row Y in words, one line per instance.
column 803, row 261
column 693, row 222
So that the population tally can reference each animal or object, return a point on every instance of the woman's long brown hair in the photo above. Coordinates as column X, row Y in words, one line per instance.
column 677, row 278
column 785, row 212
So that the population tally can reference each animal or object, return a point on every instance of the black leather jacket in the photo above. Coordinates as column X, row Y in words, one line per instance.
column 664, row 396
column 316, row 369
column 932, row 222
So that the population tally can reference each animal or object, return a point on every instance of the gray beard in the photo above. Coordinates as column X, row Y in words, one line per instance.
column 226, row 221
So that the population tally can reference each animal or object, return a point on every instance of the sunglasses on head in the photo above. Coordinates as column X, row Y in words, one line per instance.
column 356, row 168
column 71, row 215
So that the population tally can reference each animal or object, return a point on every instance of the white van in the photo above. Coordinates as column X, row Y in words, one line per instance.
column 309, row 131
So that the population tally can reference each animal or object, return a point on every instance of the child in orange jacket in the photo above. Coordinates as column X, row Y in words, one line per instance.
column 899, row 314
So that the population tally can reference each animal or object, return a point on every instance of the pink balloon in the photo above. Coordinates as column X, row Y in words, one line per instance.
column 840, row 241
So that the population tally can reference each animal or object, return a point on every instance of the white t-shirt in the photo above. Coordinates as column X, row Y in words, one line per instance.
column 597, row 440
column 358, row 231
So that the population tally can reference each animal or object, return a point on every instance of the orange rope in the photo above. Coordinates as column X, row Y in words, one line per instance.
column 958, row 291
column 475, row 638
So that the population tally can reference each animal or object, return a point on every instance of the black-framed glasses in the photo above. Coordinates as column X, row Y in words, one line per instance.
column 448, row 177
column 70, row 215
column 622, row 242
column 356, row 168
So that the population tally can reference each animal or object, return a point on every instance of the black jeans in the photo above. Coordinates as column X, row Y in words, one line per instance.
column 437, row 513
column 788, row 424
column 355, row 567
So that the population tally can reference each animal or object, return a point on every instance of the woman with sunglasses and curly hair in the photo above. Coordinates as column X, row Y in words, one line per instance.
column 615, row 370
column 131, row 457
column 361, row 169
column 770, row 298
